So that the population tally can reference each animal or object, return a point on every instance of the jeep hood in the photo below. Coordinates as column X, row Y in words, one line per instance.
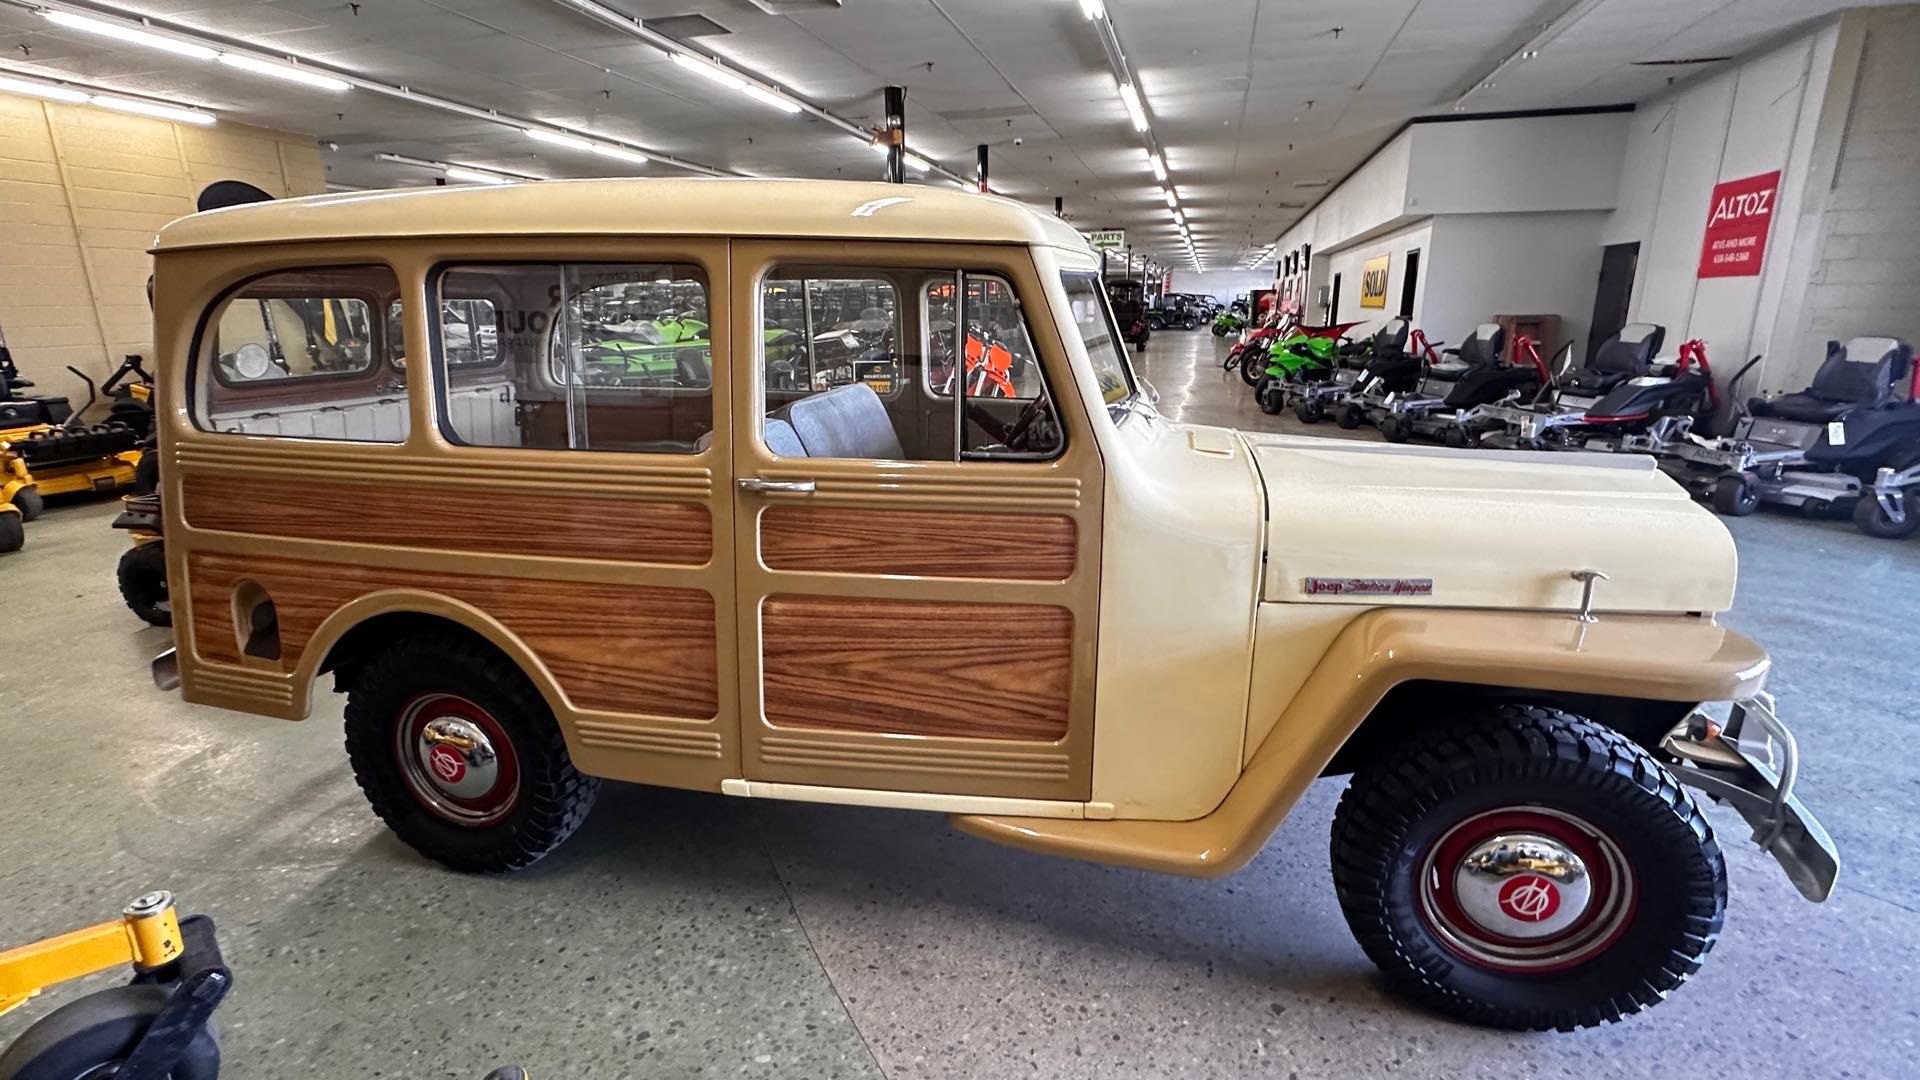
column 1369, row 523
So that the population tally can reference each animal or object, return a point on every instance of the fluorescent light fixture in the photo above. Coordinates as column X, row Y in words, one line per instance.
column 767, row 97
column 710, row 70
column 474, row 176
column 618, row 153
column 154, row 109
column 1158, row 166
column 554, row 138
column 284, row 71
column 916, row 162
column 1131, row 99
column 1171, row 200
column 1092, row 9
column 42, row 90
column 129, row 34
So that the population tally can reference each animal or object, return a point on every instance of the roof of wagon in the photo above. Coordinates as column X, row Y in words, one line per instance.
column 828, row 209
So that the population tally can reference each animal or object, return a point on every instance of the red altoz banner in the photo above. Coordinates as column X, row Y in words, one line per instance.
column 1737, row 225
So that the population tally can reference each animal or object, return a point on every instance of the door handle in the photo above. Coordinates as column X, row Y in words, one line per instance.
column 784, row 487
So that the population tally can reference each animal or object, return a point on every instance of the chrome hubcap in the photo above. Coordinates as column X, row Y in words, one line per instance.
column 457, row 756
column 456, row 759
column 1522, row 885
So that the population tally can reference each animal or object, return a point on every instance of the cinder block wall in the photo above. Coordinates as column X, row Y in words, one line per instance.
column 82, row 193
column 1866, row 276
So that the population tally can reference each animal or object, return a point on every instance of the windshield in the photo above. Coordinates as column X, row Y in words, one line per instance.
column 1099, row 334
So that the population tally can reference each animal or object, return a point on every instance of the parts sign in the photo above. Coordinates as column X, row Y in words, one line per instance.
column 1737, row 224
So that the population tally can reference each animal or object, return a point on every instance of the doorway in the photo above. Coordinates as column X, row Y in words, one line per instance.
column 1615, row 293
column 1407, row 284
column 1333, row 302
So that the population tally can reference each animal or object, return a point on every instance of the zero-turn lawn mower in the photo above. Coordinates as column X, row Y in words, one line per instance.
column 1312, row 400
column 47, row 449
column 1479, row 377
column 1819, row 449
column 1547, row 419
column 156, row 1027
column 1387, row 378
column 1300, row 364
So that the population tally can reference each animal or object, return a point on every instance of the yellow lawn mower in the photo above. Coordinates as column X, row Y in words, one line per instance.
column 156, row 1027
column 46, row 449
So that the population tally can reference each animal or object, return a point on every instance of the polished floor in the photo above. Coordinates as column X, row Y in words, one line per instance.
column 699, row 936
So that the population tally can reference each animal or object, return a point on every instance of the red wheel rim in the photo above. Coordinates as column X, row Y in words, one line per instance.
column 1526, row 890
column 456, row 759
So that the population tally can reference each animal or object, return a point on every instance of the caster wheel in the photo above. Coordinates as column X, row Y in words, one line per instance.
column 29, row 502
column 1351, row 416
column 13, row 532
column 91, row 1037
column 1871, row 518
column 1269, row 396
column 1527, row 868
column 1461, row 439
column 1736, row 494
column 1310, row 410
column 142, row 574
column 1396, row 429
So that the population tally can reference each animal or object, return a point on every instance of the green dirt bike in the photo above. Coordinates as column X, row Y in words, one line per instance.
column 1228, row 323
column 1307, row 358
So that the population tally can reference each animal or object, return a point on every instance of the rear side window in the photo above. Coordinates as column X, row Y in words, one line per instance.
column 300, row 353
column 592, row 356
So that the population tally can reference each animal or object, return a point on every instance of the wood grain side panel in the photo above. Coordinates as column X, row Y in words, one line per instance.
column 621, row 648
column 984, row 671
column 920, row 543
column 456, row 519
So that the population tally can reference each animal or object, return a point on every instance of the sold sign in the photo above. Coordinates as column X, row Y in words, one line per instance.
column 1737, row 224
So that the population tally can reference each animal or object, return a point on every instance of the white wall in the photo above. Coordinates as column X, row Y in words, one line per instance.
column 1350, row 263
column 1513, row 264
column 1517, row 165
column 1222, row 285
column 1755, row 117
column 1372, row 197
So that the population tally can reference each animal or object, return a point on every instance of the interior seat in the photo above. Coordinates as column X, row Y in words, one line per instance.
column 1625, row 355
column 778, row 435
column 1859, row 374
column 845, row 422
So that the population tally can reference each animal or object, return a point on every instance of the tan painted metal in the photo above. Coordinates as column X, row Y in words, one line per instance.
column 1659, row 658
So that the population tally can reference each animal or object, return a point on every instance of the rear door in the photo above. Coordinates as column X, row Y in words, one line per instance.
column 917, row 592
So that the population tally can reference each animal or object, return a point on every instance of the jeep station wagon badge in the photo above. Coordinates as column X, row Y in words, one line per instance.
column 1321, row 586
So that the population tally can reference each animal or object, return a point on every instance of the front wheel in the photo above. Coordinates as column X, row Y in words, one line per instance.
column 1736, row 494
column 1871, row 518
column 29, row 502
column 13, row 531
column 460, row 755
column 1269, row 396
column 91, row 1038
column 1351, row 416
column 1253, row 366
column 1310, row 410
column 1396, row 429
column 1529, row 869
column 142, row 575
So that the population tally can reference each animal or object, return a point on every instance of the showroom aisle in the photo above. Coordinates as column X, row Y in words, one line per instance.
column 684, row 935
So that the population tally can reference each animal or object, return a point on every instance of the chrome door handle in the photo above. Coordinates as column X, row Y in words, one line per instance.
column 786, row 487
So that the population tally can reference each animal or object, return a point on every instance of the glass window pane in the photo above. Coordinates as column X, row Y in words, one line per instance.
column 298, row 353
column 1098, row 332
column 583, row 357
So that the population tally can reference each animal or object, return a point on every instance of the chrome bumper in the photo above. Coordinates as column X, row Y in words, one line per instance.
column 1737, row 766
column 166, row 670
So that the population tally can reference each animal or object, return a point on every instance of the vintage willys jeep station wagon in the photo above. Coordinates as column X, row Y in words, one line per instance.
column 848, row 493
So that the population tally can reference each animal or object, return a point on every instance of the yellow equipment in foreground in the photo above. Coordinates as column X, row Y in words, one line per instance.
column 155, row 1028
column 45, row 451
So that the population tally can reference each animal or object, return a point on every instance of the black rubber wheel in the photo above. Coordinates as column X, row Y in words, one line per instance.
column 1310, row 410
column 1267, row 393
column 1736, row 494
column 1870, row 518
column 13, row 532
column 1253, row 366
column 89, row 1038
column 1396, row 429
column 29, row 502
column 1424, row 847
column 1460, row 438
column 1350, row 416
column 143, row 582
column 506, row 810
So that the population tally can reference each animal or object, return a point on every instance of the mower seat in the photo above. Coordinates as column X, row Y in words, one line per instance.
column 845, row 422
column 1391, row 338
column 1481, row 350
column 1627, row 354
column 1858, row 375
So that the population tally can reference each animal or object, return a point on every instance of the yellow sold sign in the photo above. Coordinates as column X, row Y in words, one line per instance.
column 1373, row 281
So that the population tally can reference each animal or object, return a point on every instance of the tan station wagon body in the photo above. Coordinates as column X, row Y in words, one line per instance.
column 696, row 461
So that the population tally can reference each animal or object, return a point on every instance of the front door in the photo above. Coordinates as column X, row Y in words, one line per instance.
column 918, row 520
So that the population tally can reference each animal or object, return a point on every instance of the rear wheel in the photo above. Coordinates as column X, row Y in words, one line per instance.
column 143, row 582
column 1351, row 416
column 1528, row 869
column 89, row 1039
column 460, row 756
column 13, row 531
column 1736, row 494
column 1310, row 410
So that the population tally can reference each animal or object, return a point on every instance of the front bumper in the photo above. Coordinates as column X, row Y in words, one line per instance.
column 1754, row 772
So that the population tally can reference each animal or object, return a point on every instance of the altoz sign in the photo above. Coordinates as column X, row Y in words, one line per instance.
column 1108, row 239
column 1737, row 224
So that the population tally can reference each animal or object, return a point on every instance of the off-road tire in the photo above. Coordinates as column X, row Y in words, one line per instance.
column 1310, row 410
column 29, row 502
column 84, row 1036
column 554, row 797
column 1736, row 494
column 1397, row 807
column 142, row 575
column 1252, row 373
column 1350, row 416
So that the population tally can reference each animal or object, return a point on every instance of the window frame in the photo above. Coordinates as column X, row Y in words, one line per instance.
column 812, row 330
